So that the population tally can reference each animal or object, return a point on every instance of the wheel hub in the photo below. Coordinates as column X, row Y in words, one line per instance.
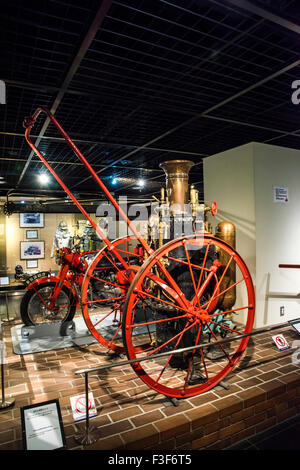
column 199, row 315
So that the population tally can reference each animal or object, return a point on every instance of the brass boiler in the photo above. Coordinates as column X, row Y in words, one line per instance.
column 226, row 231
column 177, row 183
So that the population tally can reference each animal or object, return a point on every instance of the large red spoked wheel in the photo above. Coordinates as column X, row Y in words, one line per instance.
column 104, row 290
column 181, row 285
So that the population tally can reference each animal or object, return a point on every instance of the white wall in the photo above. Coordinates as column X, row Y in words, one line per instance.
column 277, row 233
column 241, row 180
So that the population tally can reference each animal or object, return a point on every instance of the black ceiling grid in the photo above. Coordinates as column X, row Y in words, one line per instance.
column 159, row 80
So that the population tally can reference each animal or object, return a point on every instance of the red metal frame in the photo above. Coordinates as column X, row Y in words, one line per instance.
column 132, row 279
column 28, row 124
column 65, row 277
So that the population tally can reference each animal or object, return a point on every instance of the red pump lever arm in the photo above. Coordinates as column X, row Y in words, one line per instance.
column 28, row 124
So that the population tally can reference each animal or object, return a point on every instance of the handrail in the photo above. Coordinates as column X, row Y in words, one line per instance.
column 188, row 348
column 90, row 436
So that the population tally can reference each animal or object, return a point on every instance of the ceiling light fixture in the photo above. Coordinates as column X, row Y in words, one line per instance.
column 43, row 178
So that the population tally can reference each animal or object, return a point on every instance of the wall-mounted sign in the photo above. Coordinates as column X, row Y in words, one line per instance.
column 280, row 342
column 42, row 427
column 280, row 194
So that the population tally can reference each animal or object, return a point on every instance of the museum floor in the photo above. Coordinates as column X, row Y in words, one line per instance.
column 264, row 396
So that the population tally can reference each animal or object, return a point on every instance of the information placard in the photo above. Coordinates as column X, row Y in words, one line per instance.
column 280, row 194
column 42, row 427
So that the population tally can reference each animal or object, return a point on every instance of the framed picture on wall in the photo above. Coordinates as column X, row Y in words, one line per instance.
column 32, row 250
column 31, row 263
column 31, row 234
column 34, row 219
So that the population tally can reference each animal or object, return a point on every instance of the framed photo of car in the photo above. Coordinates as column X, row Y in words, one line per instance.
column 31, row 219
column 32, row 234
column 32, row 250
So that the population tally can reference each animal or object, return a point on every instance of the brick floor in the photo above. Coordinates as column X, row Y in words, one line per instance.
column 264, row 391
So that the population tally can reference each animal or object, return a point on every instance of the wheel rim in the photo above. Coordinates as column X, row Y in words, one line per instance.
column 37, row 306
column 102, row 310
column 193, row 313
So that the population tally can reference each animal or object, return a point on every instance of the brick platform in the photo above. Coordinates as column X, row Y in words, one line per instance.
column 264, row 391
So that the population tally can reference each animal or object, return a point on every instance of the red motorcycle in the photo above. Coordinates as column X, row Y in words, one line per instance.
column 55, row 298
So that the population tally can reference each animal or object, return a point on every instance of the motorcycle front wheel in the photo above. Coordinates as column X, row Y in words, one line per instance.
column 34, row 305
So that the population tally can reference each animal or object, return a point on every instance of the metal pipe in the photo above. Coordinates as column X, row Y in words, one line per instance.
column 177, row 179
column 189, row 348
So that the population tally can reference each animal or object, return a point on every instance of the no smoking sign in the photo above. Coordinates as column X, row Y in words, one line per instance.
column 78, row 404
column 280, row 342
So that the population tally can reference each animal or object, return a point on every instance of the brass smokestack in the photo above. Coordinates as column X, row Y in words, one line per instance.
column 177, row 173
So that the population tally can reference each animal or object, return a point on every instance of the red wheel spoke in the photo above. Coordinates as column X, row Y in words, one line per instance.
column 172, row 283
column 191, row 360
column 219, row 283
column 191, row 273
column 204, row 363
column 103, row 318
column 202, row 270
column 153, row 322
column 127, row 253
column 172, row 339
column 220, row 345
column 148, row 329
column 230, row 311
column 226, row 327
column 185, row 262
column 111, row 261
column 223, row 292
column 114, row 336
column 160, row 300
column 170, row 357
column 102, row 300
column 105, row 282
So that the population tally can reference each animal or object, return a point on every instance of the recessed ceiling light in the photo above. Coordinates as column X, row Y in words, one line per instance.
column 43, row 178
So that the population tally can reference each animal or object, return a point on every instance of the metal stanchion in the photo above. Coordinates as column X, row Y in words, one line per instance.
column 90, row 434
column 5, row 402
column 7, row 319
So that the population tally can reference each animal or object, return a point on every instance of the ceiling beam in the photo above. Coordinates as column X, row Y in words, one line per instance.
column 267, row 15
column 200, row 115
column 285, row 69
column 98, row 20
column 113, row 144
column 54, row 162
